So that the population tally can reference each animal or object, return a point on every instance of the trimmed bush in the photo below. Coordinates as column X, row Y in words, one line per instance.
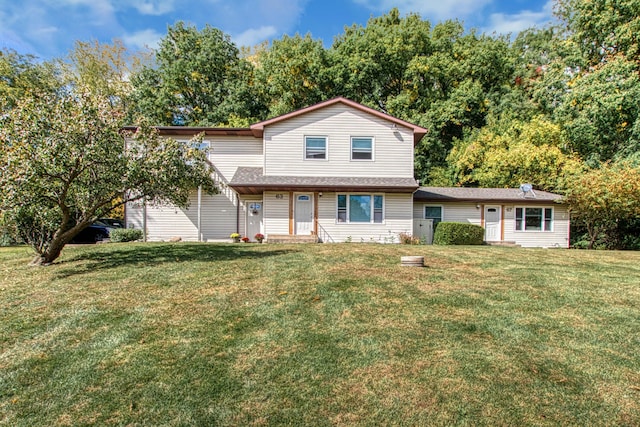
column 458, row 233
column 125, row 234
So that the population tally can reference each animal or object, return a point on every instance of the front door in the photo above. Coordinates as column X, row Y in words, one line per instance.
column 492, row 217
column 303, row 212
column 254, row 219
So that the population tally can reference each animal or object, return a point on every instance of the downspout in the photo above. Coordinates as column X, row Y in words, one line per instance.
column 199, row 213
column 144, row 219
column 237, row 213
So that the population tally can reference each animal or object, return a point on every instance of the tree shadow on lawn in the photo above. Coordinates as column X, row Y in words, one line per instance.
column 150, row 254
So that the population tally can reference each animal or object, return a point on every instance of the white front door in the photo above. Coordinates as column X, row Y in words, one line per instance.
column 492, row 217
column 303, row 213
column 254, row 218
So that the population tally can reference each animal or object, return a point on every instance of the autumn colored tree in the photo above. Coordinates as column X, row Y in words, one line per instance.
column 513, row 153
column 604, row 198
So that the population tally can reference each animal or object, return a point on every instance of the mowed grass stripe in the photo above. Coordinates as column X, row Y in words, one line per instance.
column 245, row 334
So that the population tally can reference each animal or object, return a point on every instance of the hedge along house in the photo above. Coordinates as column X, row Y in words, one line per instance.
column 529, row 218
column 331, row 172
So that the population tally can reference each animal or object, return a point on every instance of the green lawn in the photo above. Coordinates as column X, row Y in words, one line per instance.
column 244, row 334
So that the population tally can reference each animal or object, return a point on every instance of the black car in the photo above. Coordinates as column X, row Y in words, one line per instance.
column 93, row 233
column 112, row 222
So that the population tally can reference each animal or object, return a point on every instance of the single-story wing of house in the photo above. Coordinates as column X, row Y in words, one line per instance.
column 518, row 216
column 333, row 172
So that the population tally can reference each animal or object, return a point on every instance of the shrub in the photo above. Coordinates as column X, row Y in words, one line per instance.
column 125, row 234
column 408, row 239
column 458, row 233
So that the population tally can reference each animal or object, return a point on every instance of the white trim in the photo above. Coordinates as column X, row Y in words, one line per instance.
column 373, row 149
column 431, row 205
column 295, row 205
column 524, row 215
column 498, row 209
column 373, row 195
column 326, row 148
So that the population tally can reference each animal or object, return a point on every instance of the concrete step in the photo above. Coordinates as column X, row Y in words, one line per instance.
column 290, row 238
column 504, row 243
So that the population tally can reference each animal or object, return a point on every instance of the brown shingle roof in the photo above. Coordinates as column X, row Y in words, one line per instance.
column 460, row 194
column 252, row 181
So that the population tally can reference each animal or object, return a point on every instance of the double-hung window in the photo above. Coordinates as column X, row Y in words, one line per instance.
column 361, row 148
column 360, row 208
column 534, row 219
column 315, row 147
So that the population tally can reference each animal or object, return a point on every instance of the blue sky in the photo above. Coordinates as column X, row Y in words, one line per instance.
column 48, row 28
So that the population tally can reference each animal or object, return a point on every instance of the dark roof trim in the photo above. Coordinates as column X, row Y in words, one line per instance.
column 192, row 131
column 418, row 132
column 259, row 188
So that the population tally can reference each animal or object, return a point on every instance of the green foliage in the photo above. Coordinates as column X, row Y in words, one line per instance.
column 21, row 75
column 293, row 73
column 125, row 235
column 64, row 161
column 507, row 154
column 370, row 62
column 606, row 202
column 601, row 112
column 602, row 28
column 198, row 80
column 458, row 233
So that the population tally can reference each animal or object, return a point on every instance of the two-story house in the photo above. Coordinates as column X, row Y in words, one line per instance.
column 333, row 172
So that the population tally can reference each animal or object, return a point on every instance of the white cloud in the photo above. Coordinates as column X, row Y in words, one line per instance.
column 501, row 23
column 253, row 36
column 151, row 7
column 431, row 9
column 143, row 39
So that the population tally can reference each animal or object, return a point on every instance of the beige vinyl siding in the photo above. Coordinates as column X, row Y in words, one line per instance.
column 276, row 213
column 231, row 152
column 218, row 219
column 468, row 213
column 558, row 237
column 397, row 219
column 452, row 212
column 284, row 145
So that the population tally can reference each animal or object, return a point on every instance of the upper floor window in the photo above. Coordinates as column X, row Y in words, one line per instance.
column 534, row 219
column 361, row 148
column 315, row 147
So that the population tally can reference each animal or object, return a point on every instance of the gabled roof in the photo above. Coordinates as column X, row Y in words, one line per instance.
column 251, row 180
column 495, row 195
column 418, row 132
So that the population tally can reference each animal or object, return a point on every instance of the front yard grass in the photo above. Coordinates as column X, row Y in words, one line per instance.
column 244, row 334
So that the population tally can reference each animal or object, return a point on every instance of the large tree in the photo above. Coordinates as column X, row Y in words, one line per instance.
column 511, row 153
column 293, row 73
column 64, row 162
column 198, row 79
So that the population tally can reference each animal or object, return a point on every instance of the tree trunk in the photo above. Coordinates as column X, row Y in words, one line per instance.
column 593, row 235
column 51, row 253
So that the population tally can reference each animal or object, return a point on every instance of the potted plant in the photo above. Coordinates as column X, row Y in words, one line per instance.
column 259, row 237
column 245, row 239
column 235, row 237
